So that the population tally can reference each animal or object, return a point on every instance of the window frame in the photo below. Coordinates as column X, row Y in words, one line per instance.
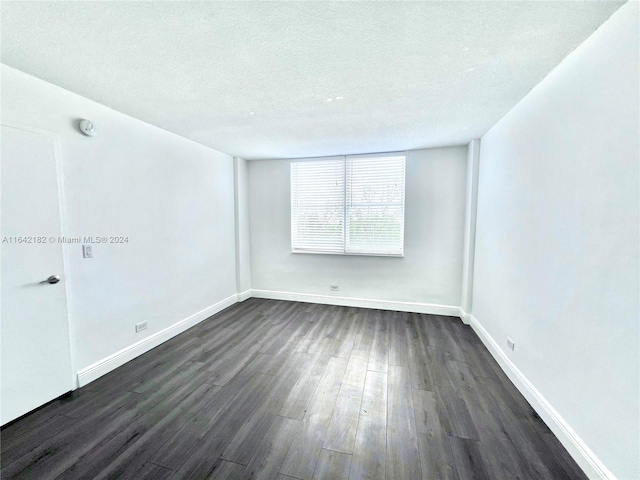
column 345, row 209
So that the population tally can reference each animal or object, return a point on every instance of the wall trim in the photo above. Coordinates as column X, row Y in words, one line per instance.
column 244, row 295
column 465, row 317
column 107, row 364
column 430, row 308
column 581, row 453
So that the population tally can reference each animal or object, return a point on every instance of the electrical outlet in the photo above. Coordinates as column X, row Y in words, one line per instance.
column 334, row 288
column 511, row 345
column 141, row 326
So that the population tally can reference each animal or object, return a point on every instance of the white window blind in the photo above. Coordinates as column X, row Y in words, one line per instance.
column 348, row 205
column 375, row 205
column 317, row 205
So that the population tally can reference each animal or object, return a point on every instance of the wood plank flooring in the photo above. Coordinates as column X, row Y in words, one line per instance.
column 284, row 390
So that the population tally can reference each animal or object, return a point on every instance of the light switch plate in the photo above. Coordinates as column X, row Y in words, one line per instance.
column 87, row 251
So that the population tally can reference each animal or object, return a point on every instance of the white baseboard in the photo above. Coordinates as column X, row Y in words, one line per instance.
column 465, row 317
column 431, row 308
column 244, row 295
column 104, row 366
column 581, row 453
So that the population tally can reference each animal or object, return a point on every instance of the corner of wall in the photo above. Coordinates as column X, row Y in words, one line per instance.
column 247, row 294
column 471, row 209
column 465, row 317
column 242, row 226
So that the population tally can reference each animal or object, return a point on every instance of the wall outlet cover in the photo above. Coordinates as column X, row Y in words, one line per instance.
column 87, row 251
column 511, row 345
column 141, row 326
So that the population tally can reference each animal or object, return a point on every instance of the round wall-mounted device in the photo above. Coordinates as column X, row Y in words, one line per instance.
column 87, row 128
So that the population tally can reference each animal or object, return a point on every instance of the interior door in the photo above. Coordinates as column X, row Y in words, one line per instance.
column 34, row 327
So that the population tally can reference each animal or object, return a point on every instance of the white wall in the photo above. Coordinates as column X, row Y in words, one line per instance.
column 173, row 198
column 430, row 271
column 557, row 252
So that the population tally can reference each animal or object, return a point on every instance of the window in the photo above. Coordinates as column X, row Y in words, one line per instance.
column 348, row 205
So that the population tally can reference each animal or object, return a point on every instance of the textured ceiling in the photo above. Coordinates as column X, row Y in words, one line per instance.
column 400, row 75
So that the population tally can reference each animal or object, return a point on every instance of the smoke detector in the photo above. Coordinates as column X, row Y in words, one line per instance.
column 87, row 128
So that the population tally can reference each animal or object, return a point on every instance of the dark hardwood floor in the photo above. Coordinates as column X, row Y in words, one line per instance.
column 278, row 390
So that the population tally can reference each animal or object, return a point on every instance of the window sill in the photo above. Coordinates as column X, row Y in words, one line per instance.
column 314, row 252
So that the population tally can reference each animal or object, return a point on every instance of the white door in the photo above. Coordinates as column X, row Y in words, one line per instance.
column 34, row 328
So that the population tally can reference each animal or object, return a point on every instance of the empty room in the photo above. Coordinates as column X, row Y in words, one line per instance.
column 300, row 240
